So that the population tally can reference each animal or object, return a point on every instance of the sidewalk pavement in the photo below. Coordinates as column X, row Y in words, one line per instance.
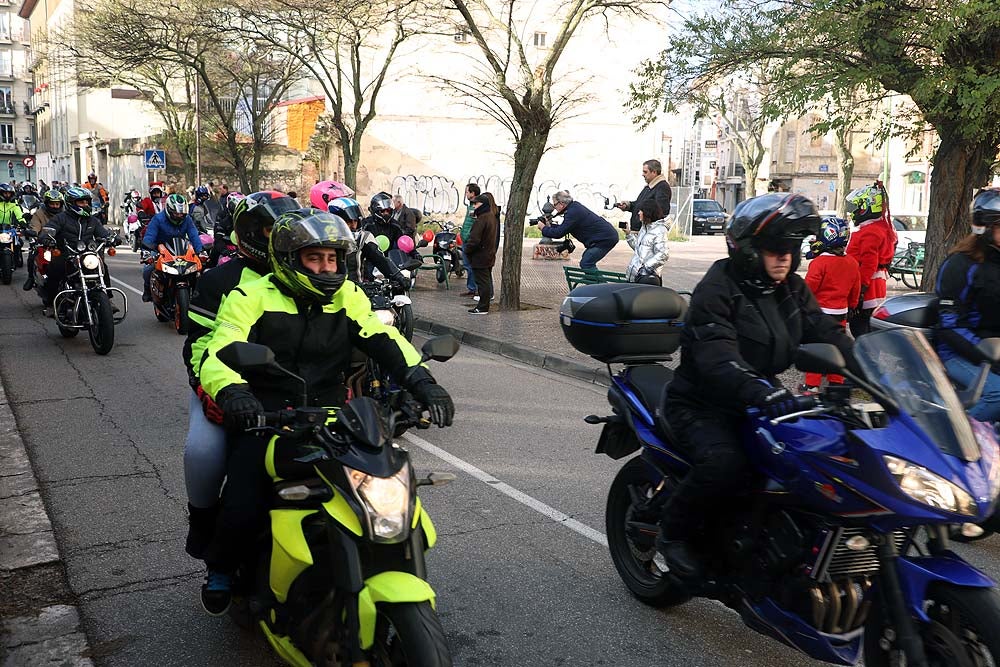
column 534, row 336
column 38, row 624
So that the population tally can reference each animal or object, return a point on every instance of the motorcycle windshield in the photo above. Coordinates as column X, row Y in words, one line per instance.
column 177, row 246
column 902, row 363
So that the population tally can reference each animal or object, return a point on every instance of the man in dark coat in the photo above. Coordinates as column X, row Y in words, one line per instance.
column 656, row 188
column 590, row 229
column 481, row 250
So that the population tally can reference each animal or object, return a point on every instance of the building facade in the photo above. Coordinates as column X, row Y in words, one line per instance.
column 17, row 126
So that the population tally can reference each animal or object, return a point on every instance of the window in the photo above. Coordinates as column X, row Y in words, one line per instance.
column 789, row 145
column 462, row 36
column 540, row 39
column 7, row 134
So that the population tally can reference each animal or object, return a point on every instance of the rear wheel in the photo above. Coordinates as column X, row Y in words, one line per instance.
column 181, row 322
column 102, row 331
column 410, row 634
column 632, row 537
column 459, row 267
column 962, row 631
column 6, row 267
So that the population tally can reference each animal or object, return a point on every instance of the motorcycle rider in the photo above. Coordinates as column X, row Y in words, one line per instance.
column 222, row 232
column 366, row 249
column 380, row 222
column 747, row 316
column 97, row 189
column 10, row 211
column 205, row 447
column 67, row 229
column 170, row 223
column 52, row 204
column 311, row 317
column 873, row 243
column 968, row 289
column 153, row 204
column 199, row 210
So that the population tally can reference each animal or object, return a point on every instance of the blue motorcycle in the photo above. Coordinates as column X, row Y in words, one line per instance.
column 10, row 252
column 841, row 546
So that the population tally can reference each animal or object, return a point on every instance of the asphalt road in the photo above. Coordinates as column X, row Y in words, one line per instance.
column 521, row 575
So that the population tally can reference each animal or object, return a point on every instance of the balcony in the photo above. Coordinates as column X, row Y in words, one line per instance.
column 7, row 110
column 7, row 148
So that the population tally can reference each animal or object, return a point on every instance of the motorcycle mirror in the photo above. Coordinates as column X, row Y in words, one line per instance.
column 247, row 356
column 820, row 358
column 81, row 246
column 548, row 208
column 440, row 348
column 990, row 347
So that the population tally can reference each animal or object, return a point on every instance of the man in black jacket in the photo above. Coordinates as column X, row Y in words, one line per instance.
column 590, row 229
column 656, row 188
column 747, row 317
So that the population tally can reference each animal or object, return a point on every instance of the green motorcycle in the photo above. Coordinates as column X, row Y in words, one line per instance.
column 340, row 579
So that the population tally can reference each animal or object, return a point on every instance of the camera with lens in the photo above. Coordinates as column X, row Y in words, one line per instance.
column 548, row 212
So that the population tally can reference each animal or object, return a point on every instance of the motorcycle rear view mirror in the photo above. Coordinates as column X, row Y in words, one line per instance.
column 440, row 348
column 819, row 358
column 990, row 348
column 247, row 356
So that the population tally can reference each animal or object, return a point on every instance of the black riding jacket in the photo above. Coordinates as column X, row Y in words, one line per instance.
column 68, row 229
column 732, row 340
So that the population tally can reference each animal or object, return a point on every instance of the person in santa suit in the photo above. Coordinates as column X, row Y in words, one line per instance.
column 835, row 281
column 873, row 243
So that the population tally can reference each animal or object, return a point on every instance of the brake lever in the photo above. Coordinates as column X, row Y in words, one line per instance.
column 796, row 415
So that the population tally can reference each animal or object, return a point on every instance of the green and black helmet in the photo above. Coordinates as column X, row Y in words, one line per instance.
column 307, row 228
column 52, row 200
column 78, row 201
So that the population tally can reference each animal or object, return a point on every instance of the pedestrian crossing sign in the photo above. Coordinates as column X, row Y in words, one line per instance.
column 156, row 159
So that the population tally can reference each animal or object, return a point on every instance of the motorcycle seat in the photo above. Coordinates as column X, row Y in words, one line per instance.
column 650, row 383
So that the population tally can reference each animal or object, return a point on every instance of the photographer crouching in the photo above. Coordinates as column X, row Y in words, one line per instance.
column 590, row 229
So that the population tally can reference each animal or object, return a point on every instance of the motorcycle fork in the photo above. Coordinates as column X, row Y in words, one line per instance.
column 894, row 604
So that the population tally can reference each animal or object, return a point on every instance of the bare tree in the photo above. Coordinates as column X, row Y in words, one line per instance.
column 349, row 52
column 519, row 95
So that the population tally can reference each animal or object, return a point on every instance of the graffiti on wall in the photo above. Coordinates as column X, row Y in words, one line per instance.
column 438, row 194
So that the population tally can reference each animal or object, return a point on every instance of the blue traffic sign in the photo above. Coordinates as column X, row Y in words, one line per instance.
column 156, row 159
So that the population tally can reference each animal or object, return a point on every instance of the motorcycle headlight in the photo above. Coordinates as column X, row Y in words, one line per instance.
column 386, row 317
column 925, row 487
column 90, row 262
column 5, row 237
column 386, row 498
column 171, row 270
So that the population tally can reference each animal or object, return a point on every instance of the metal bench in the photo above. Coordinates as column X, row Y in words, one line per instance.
column 576, row 276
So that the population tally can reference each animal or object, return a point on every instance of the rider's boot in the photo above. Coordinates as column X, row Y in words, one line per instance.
column 201, row 526
column 217, row 592
column 680, row 557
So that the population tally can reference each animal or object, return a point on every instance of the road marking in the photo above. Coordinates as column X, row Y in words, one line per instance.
column 510, row 491
column 127, row 286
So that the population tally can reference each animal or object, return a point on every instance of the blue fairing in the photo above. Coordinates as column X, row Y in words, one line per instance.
column 917, row 573
column 769, row 619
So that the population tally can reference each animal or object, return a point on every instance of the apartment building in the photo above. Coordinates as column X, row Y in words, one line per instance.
column 17, row 127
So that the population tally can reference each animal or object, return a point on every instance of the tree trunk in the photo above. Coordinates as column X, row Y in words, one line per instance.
column 351, row 172
column 527, row 156
column 845, row 174
column 959, row 166
column 750, row 180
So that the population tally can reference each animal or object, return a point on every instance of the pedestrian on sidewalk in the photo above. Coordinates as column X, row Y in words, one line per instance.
column 835, row 281
column 471, row 192
column 649, row 244
column 481, row 250
column 590, row 229
column 656, row 189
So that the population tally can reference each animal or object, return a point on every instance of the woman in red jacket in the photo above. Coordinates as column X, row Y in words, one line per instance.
column 873, row 244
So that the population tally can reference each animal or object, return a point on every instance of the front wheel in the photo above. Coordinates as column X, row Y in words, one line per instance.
column 405, row 321
column 6, row 267
column 459, row 267
column 181, row 322
column 102, row 331
column 962, row 631
column 410, row 634
column 632, row 536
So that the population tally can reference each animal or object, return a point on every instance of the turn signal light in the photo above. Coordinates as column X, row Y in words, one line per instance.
column 112, row 252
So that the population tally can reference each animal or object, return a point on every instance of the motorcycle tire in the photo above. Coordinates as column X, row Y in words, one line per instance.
column 6, row 268
column 102, row 332
column 459, row 268
column 417, row 637
column 962, row 630
column 181, row 321
column 405, row 323
column 441, row 273
column 635, row 561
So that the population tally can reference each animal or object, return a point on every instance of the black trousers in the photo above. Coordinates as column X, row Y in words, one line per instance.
column 484, row 285
column 243, row 509
column 720, row 469
column 55, row 274
column 860, row 323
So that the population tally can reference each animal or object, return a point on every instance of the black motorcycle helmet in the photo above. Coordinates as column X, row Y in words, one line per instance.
column 381, row 206
column 7, row 192
column 307, row 228
column 52, row 200
column 985, row 210
column 775, row 222
column 253, row 218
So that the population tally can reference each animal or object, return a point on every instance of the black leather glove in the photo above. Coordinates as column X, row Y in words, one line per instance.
column 240, row 408
column 861, row 298
column 400, row 281
column 433, row 396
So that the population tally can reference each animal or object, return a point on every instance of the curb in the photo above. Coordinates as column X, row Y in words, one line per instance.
column 524, row 354
column 36, row 627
